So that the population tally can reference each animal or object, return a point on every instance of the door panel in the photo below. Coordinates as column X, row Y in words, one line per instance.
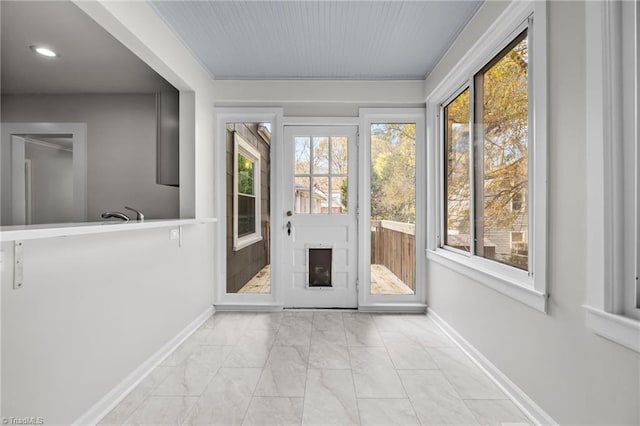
column 320, row 183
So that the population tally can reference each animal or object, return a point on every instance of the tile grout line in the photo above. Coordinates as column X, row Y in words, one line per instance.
column 353, row 379
column 384, row 344
column 188, row 413
column 253, row 393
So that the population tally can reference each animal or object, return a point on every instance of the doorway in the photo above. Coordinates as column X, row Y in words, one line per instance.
column 320, row 247
column 44, row 175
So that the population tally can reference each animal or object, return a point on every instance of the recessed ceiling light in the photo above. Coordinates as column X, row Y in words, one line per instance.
column 44, row 51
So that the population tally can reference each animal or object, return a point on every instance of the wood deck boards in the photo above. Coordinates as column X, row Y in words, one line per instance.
column 260, row 283
column 383, row 281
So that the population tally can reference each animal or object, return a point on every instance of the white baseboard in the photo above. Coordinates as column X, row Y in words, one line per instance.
column 240, row 307
column 400, row 308
column 117, row 394
column 535, row 413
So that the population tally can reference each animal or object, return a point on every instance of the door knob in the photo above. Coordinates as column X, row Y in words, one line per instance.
column 289, row 213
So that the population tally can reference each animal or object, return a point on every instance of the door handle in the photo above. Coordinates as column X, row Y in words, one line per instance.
column 289, row 228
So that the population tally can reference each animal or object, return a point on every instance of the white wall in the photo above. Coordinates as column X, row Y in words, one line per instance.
column 51, row 183
column 121, row 148
column 97, row 306
column 574, row 375
column 316, row 98
column 92, row 309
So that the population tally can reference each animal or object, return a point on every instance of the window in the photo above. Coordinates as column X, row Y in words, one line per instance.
column 321, row 174
column 517, row 201
column 247, row 197
column 613, row 153
column 487, row 123
column 500, row 163
column 457, row 182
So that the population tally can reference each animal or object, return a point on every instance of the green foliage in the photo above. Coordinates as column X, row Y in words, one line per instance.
column 245, row 175
column 393, row 172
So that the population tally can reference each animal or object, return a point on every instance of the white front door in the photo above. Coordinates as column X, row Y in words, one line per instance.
column 320, row 256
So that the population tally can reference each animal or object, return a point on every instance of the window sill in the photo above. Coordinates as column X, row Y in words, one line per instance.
column 246, row 241
column 491, row 277
column 617, row 328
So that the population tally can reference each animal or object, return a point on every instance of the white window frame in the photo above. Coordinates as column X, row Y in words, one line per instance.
column 242, row 147
column 613, row 209
column 528, row 287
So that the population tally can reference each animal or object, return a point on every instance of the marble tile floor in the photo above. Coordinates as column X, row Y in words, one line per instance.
column 316, row 368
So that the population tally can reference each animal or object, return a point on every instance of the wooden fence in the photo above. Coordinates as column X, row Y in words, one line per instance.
column 393, row 244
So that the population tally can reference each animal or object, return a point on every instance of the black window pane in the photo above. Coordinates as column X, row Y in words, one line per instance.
column 246, row 215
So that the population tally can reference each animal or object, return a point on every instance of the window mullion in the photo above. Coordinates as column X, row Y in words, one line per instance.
column 477, row 175
column 329, row 167
column 472, row 191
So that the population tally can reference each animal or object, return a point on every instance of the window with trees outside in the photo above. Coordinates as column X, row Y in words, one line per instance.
column 486, row 182
column 246, row 217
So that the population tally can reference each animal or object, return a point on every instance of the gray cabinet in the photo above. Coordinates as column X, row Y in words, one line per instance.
column 168, row 138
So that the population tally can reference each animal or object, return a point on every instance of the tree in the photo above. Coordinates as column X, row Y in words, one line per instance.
column 393, row 172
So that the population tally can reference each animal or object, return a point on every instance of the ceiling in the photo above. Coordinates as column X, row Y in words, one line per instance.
column 91, row 60
column 317, row 39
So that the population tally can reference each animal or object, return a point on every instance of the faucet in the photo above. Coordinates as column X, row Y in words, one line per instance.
column 139, row 215
column 117, row 215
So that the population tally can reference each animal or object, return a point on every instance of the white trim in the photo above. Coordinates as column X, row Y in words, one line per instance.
column 369, row 116
column 242, row 147
column 320, row 121
column 533, row 411
column 247, row 307
column 617, row 328
column 246, row 115
column 35, row 232
column 118, row 393
column 486, row 273
column 386, row 307
column 78, row 132
column 528, row 289
column 611, row 95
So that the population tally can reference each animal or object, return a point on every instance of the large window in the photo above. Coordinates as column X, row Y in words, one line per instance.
column 247, row 200
column 498, row 162
column 487, row 121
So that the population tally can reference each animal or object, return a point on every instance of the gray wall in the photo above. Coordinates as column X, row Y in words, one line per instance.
column 121, row 147
column 243, row 264
column 574, row 375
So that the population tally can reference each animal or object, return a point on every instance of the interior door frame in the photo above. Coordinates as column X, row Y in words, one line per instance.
column 367, row 301
column 246, row 301
column 13, row 202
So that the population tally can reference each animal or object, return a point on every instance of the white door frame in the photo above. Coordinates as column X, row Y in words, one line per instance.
column 275, row 300
column 367, row 301
column 315, row 127
column 14, row 153
column 222, row 299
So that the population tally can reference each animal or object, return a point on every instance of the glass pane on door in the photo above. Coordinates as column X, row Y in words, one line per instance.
column 393, row 208
column 321, row 174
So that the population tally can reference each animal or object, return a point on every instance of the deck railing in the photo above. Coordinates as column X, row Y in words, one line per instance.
column 393, row 244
